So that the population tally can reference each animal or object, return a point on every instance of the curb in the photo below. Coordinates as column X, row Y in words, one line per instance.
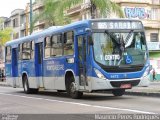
column 142, row 94
column 5, row 85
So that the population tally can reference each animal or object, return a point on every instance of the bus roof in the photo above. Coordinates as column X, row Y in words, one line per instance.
column 53, row 29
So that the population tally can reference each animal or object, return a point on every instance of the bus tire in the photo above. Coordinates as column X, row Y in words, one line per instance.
column 26, row 88
column 72, row 89
column 118, row 92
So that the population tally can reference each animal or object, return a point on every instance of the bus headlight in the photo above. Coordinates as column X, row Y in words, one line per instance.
column 146, row 72
column 99, row 74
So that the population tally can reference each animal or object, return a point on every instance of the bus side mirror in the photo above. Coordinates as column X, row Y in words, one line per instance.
column 90, row 40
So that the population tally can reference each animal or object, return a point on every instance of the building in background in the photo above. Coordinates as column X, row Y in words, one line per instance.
column 37, row 7
column 16, row 23
column 148, row 11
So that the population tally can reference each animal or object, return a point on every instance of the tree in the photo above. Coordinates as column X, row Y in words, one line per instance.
column 5, row 34
column 54, row 10
column 104, row 6
column 51, row 13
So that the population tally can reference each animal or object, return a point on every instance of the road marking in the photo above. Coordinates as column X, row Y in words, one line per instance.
column 82, row 104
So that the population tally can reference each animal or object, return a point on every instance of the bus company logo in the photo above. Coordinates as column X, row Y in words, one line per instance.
column 51, row 66
column 55, row 67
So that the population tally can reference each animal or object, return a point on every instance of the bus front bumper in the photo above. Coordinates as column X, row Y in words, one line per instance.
column 104, row 84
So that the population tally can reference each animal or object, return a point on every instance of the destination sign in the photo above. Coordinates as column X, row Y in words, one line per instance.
column 117, row 25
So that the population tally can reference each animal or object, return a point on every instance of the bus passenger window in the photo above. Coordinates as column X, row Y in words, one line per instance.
column 69, row 43
column 56, row 49
column 26, row 51
column 47, row 47
column 8, row 54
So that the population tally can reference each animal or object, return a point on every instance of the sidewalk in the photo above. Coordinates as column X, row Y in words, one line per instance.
column 4, row 84
column 153, row 90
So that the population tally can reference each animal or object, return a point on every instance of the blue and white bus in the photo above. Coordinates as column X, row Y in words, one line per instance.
column 85, row 56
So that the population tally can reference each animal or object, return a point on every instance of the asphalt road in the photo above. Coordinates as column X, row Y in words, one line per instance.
column 14, row 101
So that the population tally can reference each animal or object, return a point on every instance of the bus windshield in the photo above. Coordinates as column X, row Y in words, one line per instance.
column 119, row 48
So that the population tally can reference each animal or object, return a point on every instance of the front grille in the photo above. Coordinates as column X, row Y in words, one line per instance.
column 118, row 83
column 122, row 69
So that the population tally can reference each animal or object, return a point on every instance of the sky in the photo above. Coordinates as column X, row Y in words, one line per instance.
column 7, row 6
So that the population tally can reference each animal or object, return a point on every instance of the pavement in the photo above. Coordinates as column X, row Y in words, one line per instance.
column 3, row 83
column 153, row 90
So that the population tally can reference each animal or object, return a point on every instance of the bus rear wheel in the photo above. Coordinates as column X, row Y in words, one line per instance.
column 118, row 92
column 26, row 88
column 72, row 89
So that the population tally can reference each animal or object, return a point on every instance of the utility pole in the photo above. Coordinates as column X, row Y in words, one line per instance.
column 27, row 18
column 31, row 27
column 93, row 10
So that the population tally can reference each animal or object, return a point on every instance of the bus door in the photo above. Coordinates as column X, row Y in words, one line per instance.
column 14, row 65
column 82, row 60
column 39, row 63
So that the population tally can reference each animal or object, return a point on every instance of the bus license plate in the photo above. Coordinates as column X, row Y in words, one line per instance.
column 125, row 86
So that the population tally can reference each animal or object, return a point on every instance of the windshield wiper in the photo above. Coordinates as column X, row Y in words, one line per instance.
column 128, row 36
column 112, row 37
column 119, row 44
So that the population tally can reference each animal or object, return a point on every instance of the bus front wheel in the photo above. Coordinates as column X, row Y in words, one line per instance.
column 72, row 89
column 118, row 92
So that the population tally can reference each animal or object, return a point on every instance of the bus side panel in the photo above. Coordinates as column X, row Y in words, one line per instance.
column 70, row 66
column 54, row 73
column 48, row 74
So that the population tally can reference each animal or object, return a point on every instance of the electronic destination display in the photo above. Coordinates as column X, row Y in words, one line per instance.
column 117, row 25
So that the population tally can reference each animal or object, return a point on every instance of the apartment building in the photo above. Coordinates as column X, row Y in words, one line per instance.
column 37, row 8
column 15, row 23
column 148, row 11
